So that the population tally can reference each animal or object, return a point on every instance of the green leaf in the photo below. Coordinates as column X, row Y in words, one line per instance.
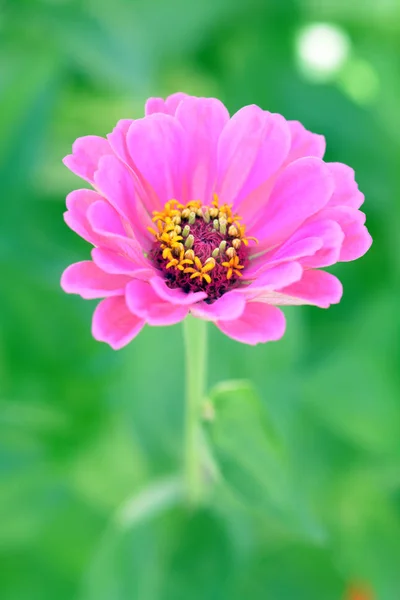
column 251, row 459
column 200, row 570
column 129, row 557
column 148, row 551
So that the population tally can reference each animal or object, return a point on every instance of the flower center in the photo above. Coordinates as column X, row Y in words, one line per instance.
column 199, row 247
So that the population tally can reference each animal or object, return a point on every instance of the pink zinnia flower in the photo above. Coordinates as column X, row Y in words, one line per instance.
column 225, row 218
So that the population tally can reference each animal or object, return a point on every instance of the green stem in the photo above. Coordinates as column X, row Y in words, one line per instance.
column 195, row 338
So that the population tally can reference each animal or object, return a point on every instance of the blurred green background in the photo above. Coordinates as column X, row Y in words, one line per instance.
column 91, row 440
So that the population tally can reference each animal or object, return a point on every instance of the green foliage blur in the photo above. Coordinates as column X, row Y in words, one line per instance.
column 307, row 501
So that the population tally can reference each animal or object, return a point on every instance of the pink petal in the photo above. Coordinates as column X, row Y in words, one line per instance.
column 86, row 279
column 143, row 192
column 346, row 189
column 106, row 223
column 117, row 264
column 104, row 219
column 155, row 105
column 315, row 287
column 203, row 119
column 331, row 235
column 145, row 303
column 118, row 142
column 357, row 240
column 86, row 153
column 168, row 106
column 274, row 278
column 78, row 203
column 259, row 323
column 175, row 296
column 117, row 139
column 296, row 250
column 301, row 190
column 157, row 146
column 173, row 101
column 252, row 147
column 114, row 324
column 292, row 250
column 116, row 183
column 230, row 306
column 304, row 143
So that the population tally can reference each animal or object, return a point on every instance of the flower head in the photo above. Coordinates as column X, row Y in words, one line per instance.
column 199, row 248
column 225, row 218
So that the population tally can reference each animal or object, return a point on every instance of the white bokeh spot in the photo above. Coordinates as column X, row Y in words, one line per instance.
column 322, row 50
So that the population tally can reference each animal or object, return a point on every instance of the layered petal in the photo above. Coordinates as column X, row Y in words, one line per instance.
column 78, row 204
column 167, row 106
column 290, row 251
column 274, row 277
column 114, row 324
column 304, row 142
column 315, row 287
column 303, row 188
column 258, row 323
column 155, row 105
column 86, row 154
column 158, row 148
column 143, row 301
column 329, row 232
column 173, row 101
column 117, row 184
column 105, row 220
column 203, row 120
column 357, row 239
column 107, row 224
column 96, row 221
column 117, row 140
column 294, row 142
column 143, row 191
column 89, row 281
column 346, row 191
column 175, row 296
column 115, row 263
column 251, row 148
column 230, row 306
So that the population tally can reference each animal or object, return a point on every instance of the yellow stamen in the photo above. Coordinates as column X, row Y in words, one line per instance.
column 233, row 231
column 233, row 266
column 180, row 262
column 194, row 204
column 241, row 235
column 201, row 270
column 236, row 243
column 167, row 254
column 171, row 209
column 190, row 255
column 172, row 230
